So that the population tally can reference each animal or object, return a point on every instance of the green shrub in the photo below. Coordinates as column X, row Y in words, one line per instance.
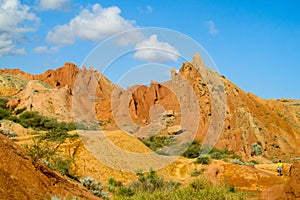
column 4, row 113
column 150, row 182
column 193, row 151
column 217, row 155
column 200, row 184
column 231, row 188
column 20, row 110
column 38, row 150
column 36, row 121
column 125, row 191
column 197, row 172
column 61, row 163
column 215, row 150
column 64, row 198
column 235, row 156
column 228, row 152
column 254, row 162
column 3, row 102
column 199, row 189
column 47, row 153
column 57, row 136
column 256, row 149
column 95, row 187
column 8, row 134
column 28, row 119
column 155, row 143
column 205, row 160
column 80, row 126
column 113, row 185
column 146, row 183
column 237, row 161
column 14, row 119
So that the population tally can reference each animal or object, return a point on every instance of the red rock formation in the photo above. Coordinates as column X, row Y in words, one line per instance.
column 13, row 103
column 58, row 78
column 274, row 124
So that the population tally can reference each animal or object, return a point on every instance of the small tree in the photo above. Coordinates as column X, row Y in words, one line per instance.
column 39, row 150
column 48, row 153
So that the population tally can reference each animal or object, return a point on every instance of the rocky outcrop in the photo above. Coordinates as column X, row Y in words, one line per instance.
column 11, row 85
column 58, row 78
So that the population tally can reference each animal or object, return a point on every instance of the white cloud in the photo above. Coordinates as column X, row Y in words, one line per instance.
column 53, row 4
column 62, row 35
column 129, row 37
column 45, row 49
column 152, row 50
column 7, row 46
column 212, row 28
column 15, row 19
column 92, row 24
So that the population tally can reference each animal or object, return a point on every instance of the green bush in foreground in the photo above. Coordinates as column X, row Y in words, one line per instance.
column 199, row 189
column 38, row 150
column 149, row 182
column 151, row 186
column 48, row 153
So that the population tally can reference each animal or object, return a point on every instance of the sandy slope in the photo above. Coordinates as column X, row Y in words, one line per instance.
column 20, row 178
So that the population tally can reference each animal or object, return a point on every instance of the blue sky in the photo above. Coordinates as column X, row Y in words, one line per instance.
column 253, row 43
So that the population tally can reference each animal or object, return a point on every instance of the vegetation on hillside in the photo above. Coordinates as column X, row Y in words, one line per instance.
column 49, row 154
column 34, row 120
column 4, row 111
column 95, row 187
column 193, row 150
column 151, row 186
column 156, row 143
column 44, row 147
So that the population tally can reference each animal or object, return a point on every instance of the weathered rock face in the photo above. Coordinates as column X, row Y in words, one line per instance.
column 60, row 77
column 51, row 93
column 271, row 123
column 248, row 119
column 144, row 97
column 11, row 85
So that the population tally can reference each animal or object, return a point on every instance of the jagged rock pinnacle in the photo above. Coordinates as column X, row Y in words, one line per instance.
column 197, row 60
